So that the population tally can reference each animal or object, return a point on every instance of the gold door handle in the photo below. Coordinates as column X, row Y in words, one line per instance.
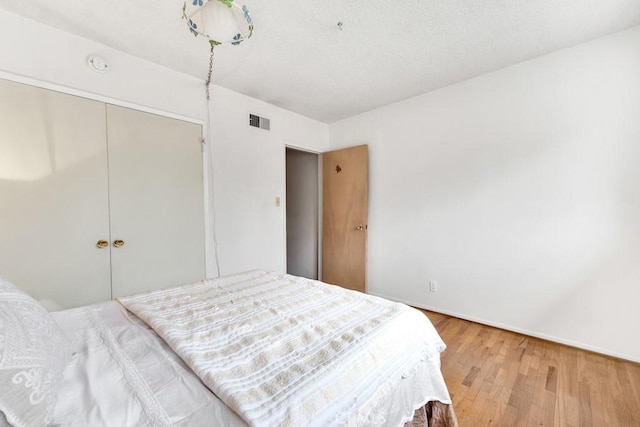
column 102, row 244
column 117, row 243
column 361, row 227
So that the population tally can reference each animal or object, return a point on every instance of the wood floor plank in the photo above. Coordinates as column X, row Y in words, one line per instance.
column 552, row 379
column 540, row 370
column 500, row 378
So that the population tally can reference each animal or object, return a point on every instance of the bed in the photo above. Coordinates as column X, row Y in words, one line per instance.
column 252, row 349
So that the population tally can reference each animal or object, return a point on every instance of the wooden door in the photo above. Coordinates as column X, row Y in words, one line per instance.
column 53, row 196
column 156, row 201
column 345, row 175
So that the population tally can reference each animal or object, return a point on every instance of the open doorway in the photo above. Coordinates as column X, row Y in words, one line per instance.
column 302, row 213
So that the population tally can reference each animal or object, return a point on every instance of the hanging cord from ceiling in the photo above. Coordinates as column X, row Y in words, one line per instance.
column 209, row 147
column 208, row 82
column 212, row 194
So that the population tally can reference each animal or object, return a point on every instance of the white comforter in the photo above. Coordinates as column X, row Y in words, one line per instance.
column 282, row 350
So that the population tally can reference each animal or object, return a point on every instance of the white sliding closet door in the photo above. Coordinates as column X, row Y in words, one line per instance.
column 156, row 201
column 53, row 195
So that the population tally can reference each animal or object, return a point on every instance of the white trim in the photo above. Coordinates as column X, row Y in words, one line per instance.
column 293, row 146
column 527, row 332
column 89, row 95
column 320, row 215
column 283, row 206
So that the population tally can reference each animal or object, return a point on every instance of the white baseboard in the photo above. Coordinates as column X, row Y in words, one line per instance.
column 517, row 330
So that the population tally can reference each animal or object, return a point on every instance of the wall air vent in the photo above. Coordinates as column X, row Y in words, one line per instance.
column 259, row 122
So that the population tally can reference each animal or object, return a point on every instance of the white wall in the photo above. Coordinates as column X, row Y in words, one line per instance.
column 249, row 162
column 32, row 50
column 518, row 192
column 249, row 173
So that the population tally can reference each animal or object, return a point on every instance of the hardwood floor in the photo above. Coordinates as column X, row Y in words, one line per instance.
column 501, row 378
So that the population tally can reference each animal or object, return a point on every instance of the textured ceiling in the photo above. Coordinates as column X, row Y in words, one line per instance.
column 386, row 51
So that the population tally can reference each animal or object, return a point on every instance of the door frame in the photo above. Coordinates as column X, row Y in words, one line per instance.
column 293, row 146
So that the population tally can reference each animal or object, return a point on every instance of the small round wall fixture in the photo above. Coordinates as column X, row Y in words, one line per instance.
column 97, row 64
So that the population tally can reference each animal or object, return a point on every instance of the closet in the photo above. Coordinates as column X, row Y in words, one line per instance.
column 96, row 200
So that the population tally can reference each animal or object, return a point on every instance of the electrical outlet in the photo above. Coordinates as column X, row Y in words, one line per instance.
column 433, row 286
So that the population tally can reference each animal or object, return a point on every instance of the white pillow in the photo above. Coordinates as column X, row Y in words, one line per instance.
column 33, row 354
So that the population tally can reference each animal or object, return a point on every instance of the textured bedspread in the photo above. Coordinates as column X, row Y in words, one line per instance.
column 282, row 350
